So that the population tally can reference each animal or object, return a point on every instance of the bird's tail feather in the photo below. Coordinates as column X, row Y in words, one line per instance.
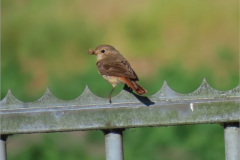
column 133, row 84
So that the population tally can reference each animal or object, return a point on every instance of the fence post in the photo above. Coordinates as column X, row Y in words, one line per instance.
column 114, row 144
column 232, row 141
column 3, row 155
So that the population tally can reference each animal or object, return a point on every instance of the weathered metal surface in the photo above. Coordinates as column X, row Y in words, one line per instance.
column 166, row 107
column 232, row 141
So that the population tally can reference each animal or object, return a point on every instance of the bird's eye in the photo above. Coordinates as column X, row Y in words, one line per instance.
column 103, row 51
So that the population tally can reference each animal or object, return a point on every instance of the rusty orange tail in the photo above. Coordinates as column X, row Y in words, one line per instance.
column 133, row 84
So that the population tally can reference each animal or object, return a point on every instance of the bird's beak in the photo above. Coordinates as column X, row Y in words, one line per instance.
column 96, row 52
column 91, row 51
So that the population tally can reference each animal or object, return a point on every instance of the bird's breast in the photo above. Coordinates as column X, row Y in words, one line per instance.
column 113, row 80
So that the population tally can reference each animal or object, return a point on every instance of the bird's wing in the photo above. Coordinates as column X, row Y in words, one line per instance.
column 112, row 67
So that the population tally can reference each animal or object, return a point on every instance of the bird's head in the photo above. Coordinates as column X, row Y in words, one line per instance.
column 102, row 51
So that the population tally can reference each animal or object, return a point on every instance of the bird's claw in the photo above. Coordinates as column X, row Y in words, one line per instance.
column 110, row 100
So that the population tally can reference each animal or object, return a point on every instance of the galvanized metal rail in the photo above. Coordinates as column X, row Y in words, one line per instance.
column 128, row 110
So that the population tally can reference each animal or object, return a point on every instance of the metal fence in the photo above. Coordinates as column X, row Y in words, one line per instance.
column 128, row 110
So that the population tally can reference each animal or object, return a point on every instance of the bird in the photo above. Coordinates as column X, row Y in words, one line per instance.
column 115, row 69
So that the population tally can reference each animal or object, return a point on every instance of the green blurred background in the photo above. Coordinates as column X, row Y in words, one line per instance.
column 45, row 43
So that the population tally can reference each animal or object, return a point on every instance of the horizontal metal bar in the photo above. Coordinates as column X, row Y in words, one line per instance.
column 119, row 115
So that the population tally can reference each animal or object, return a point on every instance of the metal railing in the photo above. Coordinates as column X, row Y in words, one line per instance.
column 128, row 110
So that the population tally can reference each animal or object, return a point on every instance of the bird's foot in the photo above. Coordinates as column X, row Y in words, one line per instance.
column 110, row 100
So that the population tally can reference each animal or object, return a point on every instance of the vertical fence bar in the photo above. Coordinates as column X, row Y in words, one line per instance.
column 113, row 144
column 3, row 155
column 232, row 141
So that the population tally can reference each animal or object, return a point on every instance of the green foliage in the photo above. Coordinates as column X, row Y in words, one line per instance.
column 144, row 35
column 226, row 54
column 58, row 146
column 182, row 142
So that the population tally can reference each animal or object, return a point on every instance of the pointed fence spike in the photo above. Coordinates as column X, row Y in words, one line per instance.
column 204, row 80
column 88, row 97
column 10, row 101
column 165, row 86
column 205, row 91
column 166, row 90
column 86, row 91
column 48, row 97
column 165, row 83
column 10, row 98
column 125, row 95
column 167, row 93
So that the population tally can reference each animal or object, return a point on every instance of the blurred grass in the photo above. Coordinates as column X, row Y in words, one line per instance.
column 45, row 43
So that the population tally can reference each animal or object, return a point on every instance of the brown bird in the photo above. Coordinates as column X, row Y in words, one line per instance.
column 115, row 68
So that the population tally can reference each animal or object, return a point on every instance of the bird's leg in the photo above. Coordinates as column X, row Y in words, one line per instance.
column 109, row 97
